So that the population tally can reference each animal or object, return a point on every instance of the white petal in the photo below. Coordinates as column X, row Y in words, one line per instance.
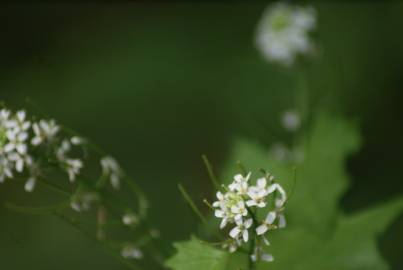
column 245, row 235
column 261, row 182
column 251, row 203
column 219, row 213
column 267, row 257
column 19, row 165
column 235, row 232
column 261, row 229
column 22, row 149
column 9, row 147
column 282, row 222
column 36, row 141
column 30, row 184
column 223, row 223
column 248, row 223
column 238, row 178
column 271, row 216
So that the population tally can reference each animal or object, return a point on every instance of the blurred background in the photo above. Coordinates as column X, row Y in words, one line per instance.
column 160, row 84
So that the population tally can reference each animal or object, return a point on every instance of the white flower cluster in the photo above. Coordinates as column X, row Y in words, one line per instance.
column 28, row 148
column 283, row 32
column 239, row 205
column 26, row 145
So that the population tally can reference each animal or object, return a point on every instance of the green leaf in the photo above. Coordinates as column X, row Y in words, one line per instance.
column 321, row 179
column 196, row 255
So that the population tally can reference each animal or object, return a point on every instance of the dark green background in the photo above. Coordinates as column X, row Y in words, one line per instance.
column 159, row 84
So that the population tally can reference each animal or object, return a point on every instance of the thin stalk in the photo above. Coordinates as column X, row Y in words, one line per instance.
column 210, row 171
column 191, row 204
column 251, row 263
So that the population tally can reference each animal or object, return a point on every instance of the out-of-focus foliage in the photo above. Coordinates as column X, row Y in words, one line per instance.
column 319, row 235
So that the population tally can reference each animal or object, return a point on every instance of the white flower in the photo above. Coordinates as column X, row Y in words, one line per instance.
column 258, row 254
column 291, row 120
column 18, row 123
column 73, row 168
column 6, row 170
column 4, row 115
column 75, row 140
column 111, row 169
column 283, row 32
column 83, row 200
column 239, row 210
column 44, row 131
column 232, row 245
column 19, row 160
column 131, row 252
column 240, row 184
column 63, row 149
column 283, row 196
column 130, row 219
column 16, row 141
column 267, row 223
column 241, row 228
column 221, row 200
column 258, row 194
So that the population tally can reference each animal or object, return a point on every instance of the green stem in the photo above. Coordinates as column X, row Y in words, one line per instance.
column 191, row 203
column 210, row 171
column 251, row 263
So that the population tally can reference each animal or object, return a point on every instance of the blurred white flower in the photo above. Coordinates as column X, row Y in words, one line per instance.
column 290, row 120
column 131, row 252
column 111, row 169
column 232, row 245
column 283, row 32
column 83, row 200
column 241, row 228
column 44, row 131
column 73, row 168
column 258, row 194
column 259, row 254
column 130, row 219
column 6, row 168
column 267, row 223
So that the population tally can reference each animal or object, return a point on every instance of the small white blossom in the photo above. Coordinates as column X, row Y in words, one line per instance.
column 6, row 169
column 260, row 255
column 240, row 184
column 44, row 131
column 73, row 168
column 16, row 141
column 83, row 200
column 111, row 169
column 130, row 219
column 75, row 140
column 291, row 120
column 241, row 228
column 232, row 245
column 239, row 210
column 267, row 223
column 283, row 32
column 258, row 194
column 131, row 252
